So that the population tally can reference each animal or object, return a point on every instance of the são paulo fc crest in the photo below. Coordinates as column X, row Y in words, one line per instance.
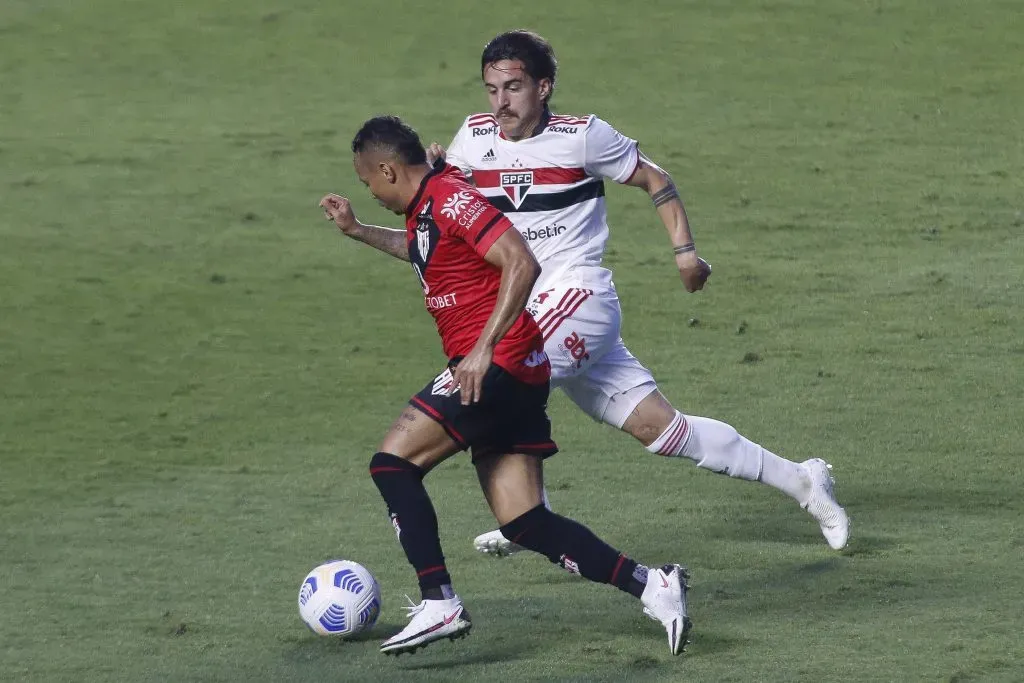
column 516, row 185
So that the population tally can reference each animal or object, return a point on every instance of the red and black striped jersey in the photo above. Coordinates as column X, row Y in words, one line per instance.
column 449, row 227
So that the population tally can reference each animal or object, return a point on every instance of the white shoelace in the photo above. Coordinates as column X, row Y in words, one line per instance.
column 413, row 609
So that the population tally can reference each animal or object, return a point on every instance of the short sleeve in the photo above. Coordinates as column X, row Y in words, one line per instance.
column 465, row 214
column 608, row 153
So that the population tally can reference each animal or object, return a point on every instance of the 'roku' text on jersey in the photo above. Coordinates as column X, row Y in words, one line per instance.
column 551, row 186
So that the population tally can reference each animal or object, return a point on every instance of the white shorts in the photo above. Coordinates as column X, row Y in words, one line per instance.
column 589, row 361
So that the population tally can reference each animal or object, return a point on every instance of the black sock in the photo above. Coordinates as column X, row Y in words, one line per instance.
column 575, row 547
column 401, row 485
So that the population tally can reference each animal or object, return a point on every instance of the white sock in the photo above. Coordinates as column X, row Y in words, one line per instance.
column 784, row 475
column 718, row 447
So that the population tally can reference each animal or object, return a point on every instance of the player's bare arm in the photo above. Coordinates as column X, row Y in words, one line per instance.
column 693, row 270
column 339, row 210
column 519, row 272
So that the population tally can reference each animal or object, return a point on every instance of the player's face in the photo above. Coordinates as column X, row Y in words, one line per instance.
column 371, row 172
column 517, row 101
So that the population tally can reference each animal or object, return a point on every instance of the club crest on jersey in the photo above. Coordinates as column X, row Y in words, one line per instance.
column 423, row 240
column 423, row 231
column 516, row 185
column 421, row 244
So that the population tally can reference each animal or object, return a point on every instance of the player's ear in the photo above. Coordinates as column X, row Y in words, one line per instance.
column 545, row 86
column 389, row 172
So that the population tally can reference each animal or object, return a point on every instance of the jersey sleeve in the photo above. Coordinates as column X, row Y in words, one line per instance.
column 456, row 153
column 608, row 153
column 491, row 225
column 466, row 215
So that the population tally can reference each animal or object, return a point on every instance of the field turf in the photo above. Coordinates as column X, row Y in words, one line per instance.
column 195, row 368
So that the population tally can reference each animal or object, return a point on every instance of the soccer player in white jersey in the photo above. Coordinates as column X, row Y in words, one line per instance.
column 546, row 172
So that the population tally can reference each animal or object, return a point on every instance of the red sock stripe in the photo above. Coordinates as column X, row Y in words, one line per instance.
column 376, row 470
column 676, row 438
column 533, row 446
column 615, row 572
column 666, row 448
column 431, row 570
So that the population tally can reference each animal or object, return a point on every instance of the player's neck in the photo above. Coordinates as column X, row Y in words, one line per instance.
column 412, row 179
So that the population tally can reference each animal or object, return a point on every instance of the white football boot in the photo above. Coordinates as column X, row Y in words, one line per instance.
column 494, row 544
column 430, row 620
column 664, row 600
column 822, row 504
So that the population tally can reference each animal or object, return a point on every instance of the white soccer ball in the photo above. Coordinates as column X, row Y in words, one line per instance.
column 339, row 598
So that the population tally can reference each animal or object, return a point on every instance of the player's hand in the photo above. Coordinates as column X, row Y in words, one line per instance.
column 435, row 152
column 469, row 374
column 339, row 210
column 693, row 271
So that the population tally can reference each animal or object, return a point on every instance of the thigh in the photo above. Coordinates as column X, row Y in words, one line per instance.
column 464, row 425
column 579, row 327
column 435, row 425
column 517, row 419
column 419, row 439
column 612, row 387
column 513, row 483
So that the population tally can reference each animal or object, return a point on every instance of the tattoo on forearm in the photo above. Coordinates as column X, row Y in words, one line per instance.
column 665, row 195
column 389, row 241
column 684, row 248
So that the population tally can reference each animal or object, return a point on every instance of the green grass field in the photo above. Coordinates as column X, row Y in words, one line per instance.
column 195, row 367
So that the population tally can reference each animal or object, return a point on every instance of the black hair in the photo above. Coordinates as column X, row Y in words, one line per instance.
column 392, row 135
column 534, row 52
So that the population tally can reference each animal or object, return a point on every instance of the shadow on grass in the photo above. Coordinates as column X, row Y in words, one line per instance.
column 455, row 656
column 704, row 644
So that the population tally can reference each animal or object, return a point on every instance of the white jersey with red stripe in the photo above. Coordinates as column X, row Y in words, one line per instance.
column 551, row 186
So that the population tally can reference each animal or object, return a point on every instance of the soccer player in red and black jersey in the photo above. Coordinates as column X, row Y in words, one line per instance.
column 476, row 272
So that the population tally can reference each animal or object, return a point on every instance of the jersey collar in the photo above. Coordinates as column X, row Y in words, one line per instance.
column 434, row 170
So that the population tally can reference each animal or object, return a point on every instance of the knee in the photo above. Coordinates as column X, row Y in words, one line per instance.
column 534, row 518
column 388, row 463
column 651, row 414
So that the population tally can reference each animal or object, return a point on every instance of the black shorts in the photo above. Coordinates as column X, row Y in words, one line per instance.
column 511, row 416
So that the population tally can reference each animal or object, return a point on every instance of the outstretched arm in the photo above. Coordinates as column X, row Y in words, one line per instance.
column 693, row 270
column 392, row 242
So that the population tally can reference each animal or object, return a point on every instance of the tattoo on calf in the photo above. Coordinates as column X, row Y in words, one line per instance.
column 665, row 195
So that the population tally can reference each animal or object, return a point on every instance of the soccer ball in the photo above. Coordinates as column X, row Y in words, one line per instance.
column 339, row 598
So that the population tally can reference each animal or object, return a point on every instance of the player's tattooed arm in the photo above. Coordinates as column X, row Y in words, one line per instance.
column 390, row 241
column 650, row 177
